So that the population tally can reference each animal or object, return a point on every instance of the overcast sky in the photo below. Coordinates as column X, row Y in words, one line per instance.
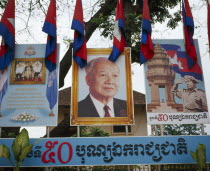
column 160, row 31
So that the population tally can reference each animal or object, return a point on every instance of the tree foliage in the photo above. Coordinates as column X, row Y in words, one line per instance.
column 101, row 15
column 182, row 129
column 92, row 132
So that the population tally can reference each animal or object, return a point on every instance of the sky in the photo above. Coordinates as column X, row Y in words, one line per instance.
column 33, row 34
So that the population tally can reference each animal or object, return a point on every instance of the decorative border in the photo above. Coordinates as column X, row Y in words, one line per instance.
column 75, row 120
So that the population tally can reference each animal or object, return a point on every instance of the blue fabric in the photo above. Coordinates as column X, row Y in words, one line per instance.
column 9, row 39
column 3, row 91
column 52, row 89
column 114, row 54
column 50, row 29
column 79, row 41
column 82, row 63
column 142, row 58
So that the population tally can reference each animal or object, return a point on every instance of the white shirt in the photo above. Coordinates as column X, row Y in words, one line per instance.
column 100, row 107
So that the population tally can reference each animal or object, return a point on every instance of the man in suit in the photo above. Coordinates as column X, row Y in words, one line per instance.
column 102, row 77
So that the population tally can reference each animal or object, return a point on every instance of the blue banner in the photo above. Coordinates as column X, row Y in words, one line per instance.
column 111, row 151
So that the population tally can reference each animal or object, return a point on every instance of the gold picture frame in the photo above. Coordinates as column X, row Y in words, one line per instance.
column 28, row 71
column 76, row 91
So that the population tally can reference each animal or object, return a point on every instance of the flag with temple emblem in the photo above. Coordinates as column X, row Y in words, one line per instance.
column 51, row 55
column 7, row 31
column 146, row 46
column 79, row 47
column 188, row 33
column 50, row 28
column 179, row 62
column 119, row 41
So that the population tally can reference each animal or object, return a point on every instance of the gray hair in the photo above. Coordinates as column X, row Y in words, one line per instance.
column 90, row 67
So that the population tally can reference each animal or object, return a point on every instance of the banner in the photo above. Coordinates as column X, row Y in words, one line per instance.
column 111, row 151
column 25, row 102
column 175, row 92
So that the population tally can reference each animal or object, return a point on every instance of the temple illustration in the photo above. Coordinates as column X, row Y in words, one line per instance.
column 160, row 76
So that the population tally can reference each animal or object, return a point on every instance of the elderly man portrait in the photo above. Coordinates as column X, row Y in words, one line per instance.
column 103, row 80
column 193, row 99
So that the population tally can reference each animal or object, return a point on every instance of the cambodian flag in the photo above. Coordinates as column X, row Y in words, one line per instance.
column 3, row 83
column 119, row 41
column 188, row 33
column 79, row 50
column 146, row 46
column 50, row 28
column 50, row 54
column 179, row 62
column 170, row 49
column 7, row 31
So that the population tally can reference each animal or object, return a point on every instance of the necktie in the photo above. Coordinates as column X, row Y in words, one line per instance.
column 106, row 109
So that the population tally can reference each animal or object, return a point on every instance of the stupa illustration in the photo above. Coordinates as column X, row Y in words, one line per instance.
column 160, row 76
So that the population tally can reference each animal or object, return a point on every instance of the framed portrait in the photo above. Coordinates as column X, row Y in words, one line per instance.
column 28, row 71
column 102, row 91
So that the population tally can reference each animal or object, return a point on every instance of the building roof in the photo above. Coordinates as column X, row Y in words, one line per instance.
column 65, row 97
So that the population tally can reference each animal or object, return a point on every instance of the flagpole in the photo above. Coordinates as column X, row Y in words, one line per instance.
column 126, row 133
column 78, row 135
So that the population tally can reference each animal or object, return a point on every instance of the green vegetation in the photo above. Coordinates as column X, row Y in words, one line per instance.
column 20, row 148
column 200, row 156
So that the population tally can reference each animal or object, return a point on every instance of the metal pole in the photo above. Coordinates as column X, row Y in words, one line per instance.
column 153, row 130
column 48, row 136
column 126, row 130
column 78, row 135
column 202, row 129
column 156, row 130
column 48, row 132
column 78, row 131
column 126, row 133
column 161, row 130
column 161, row 134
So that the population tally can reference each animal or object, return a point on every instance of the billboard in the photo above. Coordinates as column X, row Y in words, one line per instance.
column 25, row 87
column 102, row 91
column 175, row 94
column 110, row 151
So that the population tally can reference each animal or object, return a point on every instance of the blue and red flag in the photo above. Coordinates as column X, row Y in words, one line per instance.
column 7, row 31
column 188, row 33
column 146, row 46
column 51, row 54
column 179, row 61
column 119, row 41
column 79, row 48
column 3, row 83
column 50, row 28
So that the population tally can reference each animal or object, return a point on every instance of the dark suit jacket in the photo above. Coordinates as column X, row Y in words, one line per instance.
column 86, row 108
